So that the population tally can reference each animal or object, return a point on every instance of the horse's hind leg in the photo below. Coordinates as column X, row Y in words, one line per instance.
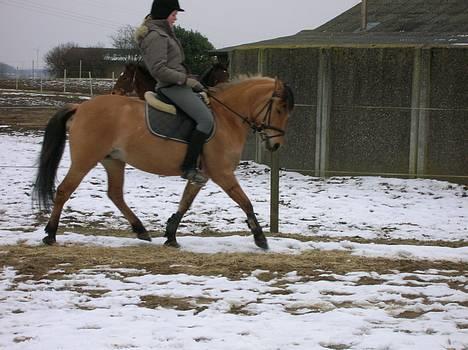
column 231, row 186
column 63, row 193
column 115, row 174
column 190, row 192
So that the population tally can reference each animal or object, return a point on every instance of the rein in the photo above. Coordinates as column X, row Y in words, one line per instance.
column 265, row 125
column 132, row 83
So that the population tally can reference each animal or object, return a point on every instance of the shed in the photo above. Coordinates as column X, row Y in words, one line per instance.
column 385, row 98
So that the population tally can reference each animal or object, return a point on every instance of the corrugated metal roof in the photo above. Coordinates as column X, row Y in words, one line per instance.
column 310, row 38
column 437, row 16
column 410, row 23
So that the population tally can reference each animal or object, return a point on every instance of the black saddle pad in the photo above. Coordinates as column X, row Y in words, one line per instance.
column 177, row 127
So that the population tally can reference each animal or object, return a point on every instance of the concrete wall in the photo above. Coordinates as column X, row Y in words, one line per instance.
column 447, row 139
column 295, row 70
column 396, row 111
column 369, row 127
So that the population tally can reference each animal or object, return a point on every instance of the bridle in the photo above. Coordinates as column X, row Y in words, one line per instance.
column 132, row 82
column 266, row 121
column 210, row 77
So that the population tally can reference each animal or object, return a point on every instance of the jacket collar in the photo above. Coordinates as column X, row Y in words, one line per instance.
column 161, row 24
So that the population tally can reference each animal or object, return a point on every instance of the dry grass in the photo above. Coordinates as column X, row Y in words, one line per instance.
column 98, row 228
column 35, row 262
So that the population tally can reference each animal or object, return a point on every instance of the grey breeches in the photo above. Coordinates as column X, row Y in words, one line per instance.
column 191, row 104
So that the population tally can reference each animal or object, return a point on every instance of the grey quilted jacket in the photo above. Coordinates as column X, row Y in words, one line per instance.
column 162, row 52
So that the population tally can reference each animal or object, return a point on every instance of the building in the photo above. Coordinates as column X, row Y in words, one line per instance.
column 97, row 61
column 380, row 90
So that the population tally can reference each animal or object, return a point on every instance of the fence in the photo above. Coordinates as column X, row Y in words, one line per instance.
column 89, row 84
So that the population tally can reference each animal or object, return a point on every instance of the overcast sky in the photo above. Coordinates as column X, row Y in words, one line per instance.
column 29, row 28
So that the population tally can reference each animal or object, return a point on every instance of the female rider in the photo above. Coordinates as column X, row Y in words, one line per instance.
column 164, row 57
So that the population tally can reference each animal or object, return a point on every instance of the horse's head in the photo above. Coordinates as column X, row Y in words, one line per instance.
column 271, row 116
column 263, row 104
column 125, row 84
column 216, row 74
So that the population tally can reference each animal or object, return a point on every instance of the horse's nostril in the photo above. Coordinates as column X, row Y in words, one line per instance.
column 272, row 147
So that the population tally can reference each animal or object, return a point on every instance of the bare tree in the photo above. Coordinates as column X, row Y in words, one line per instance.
column 57, row 58
column 124, row 40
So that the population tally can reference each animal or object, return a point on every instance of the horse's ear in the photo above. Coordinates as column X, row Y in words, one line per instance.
column 289, row 96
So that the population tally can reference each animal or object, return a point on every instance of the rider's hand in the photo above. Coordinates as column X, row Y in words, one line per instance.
column 195, row 85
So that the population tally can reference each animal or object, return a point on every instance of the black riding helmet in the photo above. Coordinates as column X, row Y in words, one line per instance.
column 161, row 9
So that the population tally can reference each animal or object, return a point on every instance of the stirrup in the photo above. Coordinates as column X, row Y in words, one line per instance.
column 195, row 176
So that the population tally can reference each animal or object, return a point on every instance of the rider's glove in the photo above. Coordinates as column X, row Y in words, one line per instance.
column 195, row 85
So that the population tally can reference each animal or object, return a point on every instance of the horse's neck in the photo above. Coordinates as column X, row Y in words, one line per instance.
column 145, row 82
column 239, row 108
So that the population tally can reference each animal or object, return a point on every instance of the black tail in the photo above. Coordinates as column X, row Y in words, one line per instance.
column 53, row 146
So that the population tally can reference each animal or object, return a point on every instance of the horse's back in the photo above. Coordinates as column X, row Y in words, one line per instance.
column 103, row 120
column 109, row 110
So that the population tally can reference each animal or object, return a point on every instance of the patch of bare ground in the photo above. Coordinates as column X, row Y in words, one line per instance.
column 29, row 108
column 97, row 228
column 36, row 262
column 31, row 118
column 74, row 86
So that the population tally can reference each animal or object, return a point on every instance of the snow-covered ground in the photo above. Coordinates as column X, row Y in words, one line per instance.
column 14, row 98
column 422, row 309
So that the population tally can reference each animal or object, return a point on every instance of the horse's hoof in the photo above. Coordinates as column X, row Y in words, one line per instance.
column 144, row 236
column 49, row 240
column 261, row 242
column 172, row 243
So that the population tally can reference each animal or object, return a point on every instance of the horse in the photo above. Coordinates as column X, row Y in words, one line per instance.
column 216, row 74
column 111, row 130
column 136, row 77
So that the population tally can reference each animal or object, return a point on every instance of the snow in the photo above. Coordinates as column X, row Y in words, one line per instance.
column 329, row 311
column 13, row 98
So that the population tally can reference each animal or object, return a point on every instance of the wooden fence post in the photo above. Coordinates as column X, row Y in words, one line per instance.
column 90, row 85
column 64, row 80
column 324, row 91
column 420, row 101
column 274, row 192
column 17, row 77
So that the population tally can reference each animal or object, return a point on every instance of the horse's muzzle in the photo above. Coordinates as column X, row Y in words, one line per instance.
column 275, row 147
column 271, row 146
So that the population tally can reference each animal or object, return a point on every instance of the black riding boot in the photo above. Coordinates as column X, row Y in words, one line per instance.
column 189, row 166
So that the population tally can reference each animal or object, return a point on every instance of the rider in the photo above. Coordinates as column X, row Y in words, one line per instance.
column 164, row 56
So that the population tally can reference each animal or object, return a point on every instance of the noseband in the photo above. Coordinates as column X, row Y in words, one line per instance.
column 266, row 121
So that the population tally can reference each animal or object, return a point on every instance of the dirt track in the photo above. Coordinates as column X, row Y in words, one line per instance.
column 29, row 108
column 20, row 118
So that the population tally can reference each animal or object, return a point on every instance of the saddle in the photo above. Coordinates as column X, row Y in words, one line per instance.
column 165, row 120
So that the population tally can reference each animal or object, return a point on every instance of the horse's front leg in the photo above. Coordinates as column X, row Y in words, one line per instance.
column 231, row 186
column 190, row 192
